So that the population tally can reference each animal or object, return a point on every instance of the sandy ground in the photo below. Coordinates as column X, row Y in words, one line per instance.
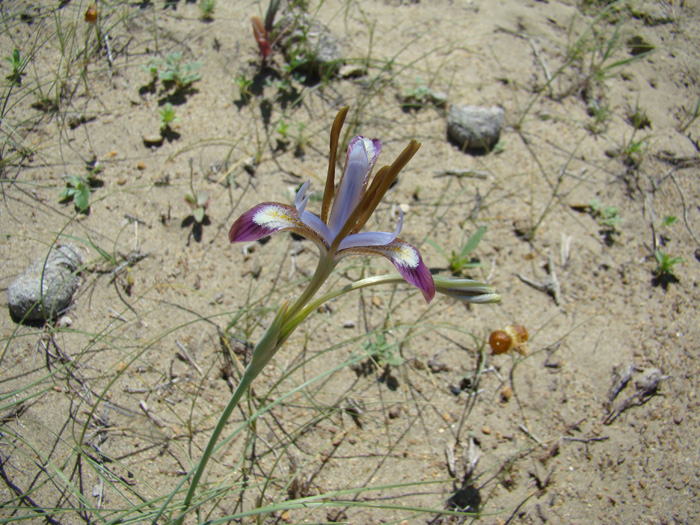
column 111, row 403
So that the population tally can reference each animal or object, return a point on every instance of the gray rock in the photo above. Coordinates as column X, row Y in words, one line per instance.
column 309, row 45
column 46, row 287
column 474, row 128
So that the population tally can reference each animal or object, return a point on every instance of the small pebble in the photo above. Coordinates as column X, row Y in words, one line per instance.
column 65, row 322
column 141, row 165
column 153, row 140
column 349, row 324
column 121, row 181
column 352, row 71
column 506, row 393
column 486, row 430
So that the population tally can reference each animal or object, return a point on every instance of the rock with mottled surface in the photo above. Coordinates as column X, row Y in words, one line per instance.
column 309, row 45
column 46, row 287
column 474, row 128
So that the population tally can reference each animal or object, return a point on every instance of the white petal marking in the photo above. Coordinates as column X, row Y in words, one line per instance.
column 274, row 217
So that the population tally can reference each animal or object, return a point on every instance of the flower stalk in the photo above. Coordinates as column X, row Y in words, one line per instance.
column 337, row 233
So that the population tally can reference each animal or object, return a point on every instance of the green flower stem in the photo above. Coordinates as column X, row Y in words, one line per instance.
column 363, row 283
column 288, row 319
column 271, row 341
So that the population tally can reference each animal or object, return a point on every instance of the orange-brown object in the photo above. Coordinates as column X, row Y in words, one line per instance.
column 260, row 34
column 500, row 341
column 91, row 14
column 513, row 337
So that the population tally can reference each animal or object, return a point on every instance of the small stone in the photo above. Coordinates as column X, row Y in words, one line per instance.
column 438, row 98
column 153, row 140
column 141, row 165
column 352, row 71
column 46, row 287
column 649, row 380
column 121, row 180
column 613, row 152
column 394, row 412
column 309, row 45
column 506, row 393
column 475, row 129
column 349, row 324
column 486, row 430
column 65, row 322
column 250, row 165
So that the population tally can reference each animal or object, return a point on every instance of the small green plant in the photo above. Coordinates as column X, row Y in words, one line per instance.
column 460, row 261
column 383, row 352
column 638, row 118
column 600, row 111
column 665, row 264
column 167, row 117
column 301, row 140
column 198, row 203
column 206, row 9
column 283, row 129
column 172, row 72
column 416, row 96
column 17, row 64
column 607, row 216
column 244, row 84
column 633, row 152
column 499, row 147
column 669, row 220
column 78, row 190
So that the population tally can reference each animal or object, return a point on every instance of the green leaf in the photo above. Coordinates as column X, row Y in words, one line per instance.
column 437, row 248
column 472, row 242
column 198, row 214
column 81, row 198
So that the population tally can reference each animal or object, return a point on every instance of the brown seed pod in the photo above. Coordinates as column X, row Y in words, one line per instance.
column 500, row 341
column 91, row 14
column 518, row 333
column 513, row 337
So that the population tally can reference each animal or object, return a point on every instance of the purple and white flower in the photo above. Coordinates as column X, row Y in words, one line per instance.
column 337, row 230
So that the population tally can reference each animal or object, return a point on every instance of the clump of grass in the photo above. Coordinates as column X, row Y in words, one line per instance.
column 600, row 111
column 634, row 151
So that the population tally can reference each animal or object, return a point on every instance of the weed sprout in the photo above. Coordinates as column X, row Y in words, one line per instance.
column 77, row 190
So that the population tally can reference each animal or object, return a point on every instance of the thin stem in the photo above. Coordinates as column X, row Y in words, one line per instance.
column 273, row 338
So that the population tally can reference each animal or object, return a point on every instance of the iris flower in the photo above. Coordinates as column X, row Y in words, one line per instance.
column 337, row 231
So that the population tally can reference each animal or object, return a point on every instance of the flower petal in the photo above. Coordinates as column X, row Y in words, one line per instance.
column 407, row 260
column 362, row 154
column 272, row 217
column 301, row 198
column 372, row 238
